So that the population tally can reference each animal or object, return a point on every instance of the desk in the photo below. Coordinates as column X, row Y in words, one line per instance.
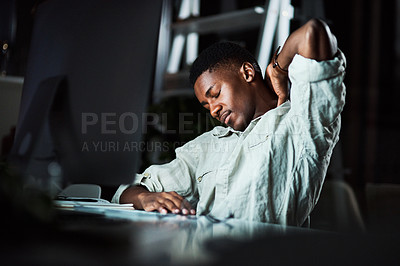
column 139, row 238
column 175, row 239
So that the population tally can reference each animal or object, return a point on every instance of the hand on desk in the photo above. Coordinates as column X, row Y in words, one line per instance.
column 165, row 202
column 162, row 202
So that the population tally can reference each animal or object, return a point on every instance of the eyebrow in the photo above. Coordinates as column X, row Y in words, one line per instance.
column 208, row 94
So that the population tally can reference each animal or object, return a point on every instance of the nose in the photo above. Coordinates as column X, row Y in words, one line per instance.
column 215, row 110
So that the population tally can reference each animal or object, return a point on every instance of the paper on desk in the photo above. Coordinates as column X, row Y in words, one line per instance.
column 94, row 204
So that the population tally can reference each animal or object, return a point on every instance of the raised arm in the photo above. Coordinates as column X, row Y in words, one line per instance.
column 313, row 40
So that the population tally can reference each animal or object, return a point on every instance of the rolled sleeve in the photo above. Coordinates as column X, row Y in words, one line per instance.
column 174, row 176
column 118, row 193
column 318, row 91
column 317, row 100
column 137, row 181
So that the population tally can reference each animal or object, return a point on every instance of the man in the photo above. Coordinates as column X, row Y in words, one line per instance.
column 270, row 163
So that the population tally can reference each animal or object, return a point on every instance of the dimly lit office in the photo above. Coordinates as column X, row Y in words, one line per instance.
column 197, row 132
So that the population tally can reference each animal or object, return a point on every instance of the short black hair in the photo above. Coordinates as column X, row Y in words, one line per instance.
column 221, row 54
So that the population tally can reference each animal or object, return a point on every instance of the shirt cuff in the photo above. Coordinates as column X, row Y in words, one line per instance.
column 310, row 70
column 118, row 193
column 139, row 180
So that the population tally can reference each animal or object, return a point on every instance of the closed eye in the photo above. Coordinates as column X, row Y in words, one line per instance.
column 205, row 105
column 216, row 96
column 208, row 94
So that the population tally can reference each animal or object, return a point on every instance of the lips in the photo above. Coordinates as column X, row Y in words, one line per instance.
column 225, row 117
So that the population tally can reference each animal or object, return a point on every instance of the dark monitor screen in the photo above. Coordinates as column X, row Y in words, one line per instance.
column 89, row 75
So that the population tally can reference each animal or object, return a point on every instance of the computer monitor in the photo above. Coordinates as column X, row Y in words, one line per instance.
column 89, row 75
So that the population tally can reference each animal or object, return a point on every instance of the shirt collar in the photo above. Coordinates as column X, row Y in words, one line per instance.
column 220, row 131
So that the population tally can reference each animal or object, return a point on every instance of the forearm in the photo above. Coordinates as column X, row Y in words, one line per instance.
column 313, row 40
column 132, row 195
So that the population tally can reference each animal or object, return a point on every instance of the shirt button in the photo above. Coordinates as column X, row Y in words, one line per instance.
column 199, row 178
column 147, row 175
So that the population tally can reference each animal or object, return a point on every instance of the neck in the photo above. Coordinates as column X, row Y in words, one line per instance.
column 266, row 99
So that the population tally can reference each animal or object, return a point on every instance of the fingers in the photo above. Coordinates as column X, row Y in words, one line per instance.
column 281, row 100
column 278, row 82
column 165, row 202
column 186, row 208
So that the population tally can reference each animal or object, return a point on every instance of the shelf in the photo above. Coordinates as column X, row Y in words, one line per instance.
column 175, row 93
column 177, row 81
column 232, row 21
column 176, row 85
column 12, row 80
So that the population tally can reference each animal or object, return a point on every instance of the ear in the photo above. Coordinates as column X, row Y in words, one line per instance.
column 248, row 72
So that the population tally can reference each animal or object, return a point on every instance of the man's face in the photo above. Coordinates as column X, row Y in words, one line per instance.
column 228, row 96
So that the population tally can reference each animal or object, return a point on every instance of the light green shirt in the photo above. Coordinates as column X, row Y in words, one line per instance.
column 273, row 171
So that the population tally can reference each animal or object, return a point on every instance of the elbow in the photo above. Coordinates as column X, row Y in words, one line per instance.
column 320, row 42
column 314, row 28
